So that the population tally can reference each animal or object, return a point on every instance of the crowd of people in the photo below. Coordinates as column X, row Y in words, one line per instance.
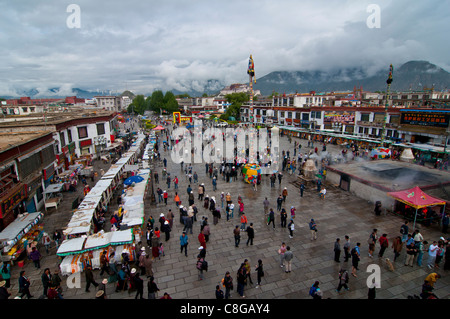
column 202, row 198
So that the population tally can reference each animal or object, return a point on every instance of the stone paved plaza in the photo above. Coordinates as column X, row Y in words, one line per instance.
column 338, row 215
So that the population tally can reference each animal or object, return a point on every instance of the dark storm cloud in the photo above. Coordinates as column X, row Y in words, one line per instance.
column 144, row 45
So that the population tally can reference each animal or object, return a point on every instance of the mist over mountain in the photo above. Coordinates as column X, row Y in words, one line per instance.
column 413, row 75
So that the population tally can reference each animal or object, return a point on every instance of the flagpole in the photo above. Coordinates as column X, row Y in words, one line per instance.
column 386, row 105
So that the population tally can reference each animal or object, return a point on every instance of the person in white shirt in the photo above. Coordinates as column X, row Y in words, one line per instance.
column 432, row 254
column 323, row 193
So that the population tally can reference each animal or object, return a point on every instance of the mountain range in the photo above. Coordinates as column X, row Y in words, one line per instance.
column 412, row 75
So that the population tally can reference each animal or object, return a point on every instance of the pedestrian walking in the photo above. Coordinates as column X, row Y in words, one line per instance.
column 139, row 284
column 291, row 228
column 302, row 189
column 404, row 231
column 284, row 194
column 283, row 218
column 421, row 249
column 35, row 256
column 259, row 273
column 337, row 250
column 271, row 218
column 201, row 266
column 90, row 278
column 343, row 280
column 313, row 229
column 315, row 291
column 411, row 251
column 432, row 251
column 227, row 282
column 281, row 252
column 372, row 241
column 6, row 273
column 248, row 269
column 288, row 256
column 397, row 245
column 219, row 293
column 237, row 236
column 250, row 234
column 152, row 288
column 241, row 280
column 279, row 202
column 293, row 210
column 244, row 222
column 24, row 285
column 346, row 248
column 356, row 256
column 46, row 241
column 384, row 243
column 46, row 280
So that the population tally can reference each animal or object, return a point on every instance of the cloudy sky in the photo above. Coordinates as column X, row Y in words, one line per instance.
column 180, row 44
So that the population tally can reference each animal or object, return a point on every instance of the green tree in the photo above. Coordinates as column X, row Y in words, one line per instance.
column 236, row 100
column 170, row 102
column 138, row 105
column 156, row 102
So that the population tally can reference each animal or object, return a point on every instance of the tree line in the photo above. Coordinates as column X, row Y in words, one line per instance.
column 158, row 102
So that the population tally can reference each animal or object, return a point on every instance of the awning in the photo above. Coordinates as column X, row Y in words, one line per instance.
column 415, row 197
column 19, row 227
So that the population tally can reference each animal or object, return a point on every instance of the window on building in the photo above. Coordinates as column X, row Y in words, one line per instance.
column 69, row 135
column 305, row 116
column 394, row 119
column 32, row 109
column 378, row 117
column 82, row 132
column 63, row 140
column 24, row 109
column 289, row 115
column 281, row 114
column 100, row 128
column 298, row 115
column 365, row 117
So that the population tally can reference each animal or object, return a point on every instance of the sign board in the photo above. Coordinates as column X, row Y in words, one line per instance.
column 425, row 118
column 339, row 117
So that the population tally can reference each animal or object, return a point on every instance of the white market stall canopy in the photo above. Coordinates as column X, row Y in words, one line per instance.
column 100, row 188
column 100, row 240
column 54, row 188
column 19, row 227
column 80, row 223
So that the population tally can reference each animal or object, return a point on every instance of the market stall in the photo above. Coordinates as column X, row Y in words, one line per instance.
column 53, row 195
column 417, row 200
column 103, row 189
column 80, row 223
column 16, row 236
column 86, row 250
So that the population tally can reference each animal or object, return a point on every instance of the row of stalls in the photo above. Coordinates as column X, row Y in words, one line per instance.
column 84, row 244
column 14, row 239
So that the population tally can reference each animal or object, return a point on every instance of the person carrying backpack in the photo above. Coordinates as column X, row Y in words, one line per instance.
column 343, row 280
column 313, row 290
column 202, row 265
column 227, row 282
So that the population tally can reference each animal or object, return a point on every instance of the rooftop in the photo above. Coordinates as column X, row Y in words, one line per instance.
column 51, row 118
column 13, row 139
